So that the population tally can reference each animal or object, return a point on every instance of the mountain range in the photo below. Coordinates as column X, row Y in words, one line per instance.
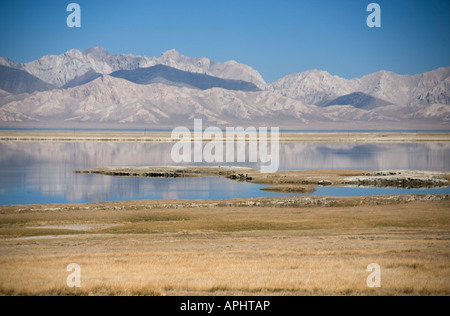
column 94, row 88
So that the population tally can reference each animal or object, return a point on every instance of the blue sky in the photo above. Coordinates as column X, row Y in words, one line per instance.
column 274, row 37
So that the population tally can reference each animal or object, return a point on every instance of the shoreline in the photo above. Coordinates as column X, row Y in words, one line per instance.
column 264, row 202
column 292, row 183
column 165, row 137
column 289, row 181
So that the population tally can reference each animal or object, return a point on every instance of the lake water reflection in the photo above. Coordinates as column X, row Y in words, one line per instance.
column 43, row 172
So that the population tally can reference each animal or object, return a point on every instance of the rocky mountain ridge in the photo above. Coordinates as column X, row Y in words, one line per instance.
column 85, row 87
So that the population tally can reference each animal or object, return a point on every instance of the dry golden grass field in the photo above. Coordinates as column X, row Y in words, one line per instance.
column 177, row 248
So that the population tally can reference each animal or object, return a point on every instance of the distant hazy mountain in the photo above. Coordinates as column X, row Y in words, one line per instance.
column 83, row 79
column 168, row 75
column 359, row 100
column 61, row 69
column 313, row 87
column 17, row 81
column 3, row 93
column 95, row 87
column 320, row 87
column 9, row 63
column 227, row 70
column 119, row 101
column 115, row 100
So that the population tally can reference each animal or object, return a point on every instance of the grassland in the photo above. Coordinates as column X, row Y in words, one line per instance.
column 224, row 248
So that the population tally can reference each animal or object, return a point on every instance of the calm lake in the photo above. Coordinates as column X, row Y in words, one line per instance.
column 32, row 173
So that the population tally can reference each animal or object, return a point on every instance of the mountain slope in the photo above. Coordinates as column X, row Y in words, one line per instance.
column 227, row 70
column 320, row 87
column 95, row 87
column 17, row 81
column 9, row 63
column 172, row 75
column 114, row 100
column 313, row 87
column 83, row 79
column 406, row 89
column 109, row 99
column 61, row 69
column 359, row 100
